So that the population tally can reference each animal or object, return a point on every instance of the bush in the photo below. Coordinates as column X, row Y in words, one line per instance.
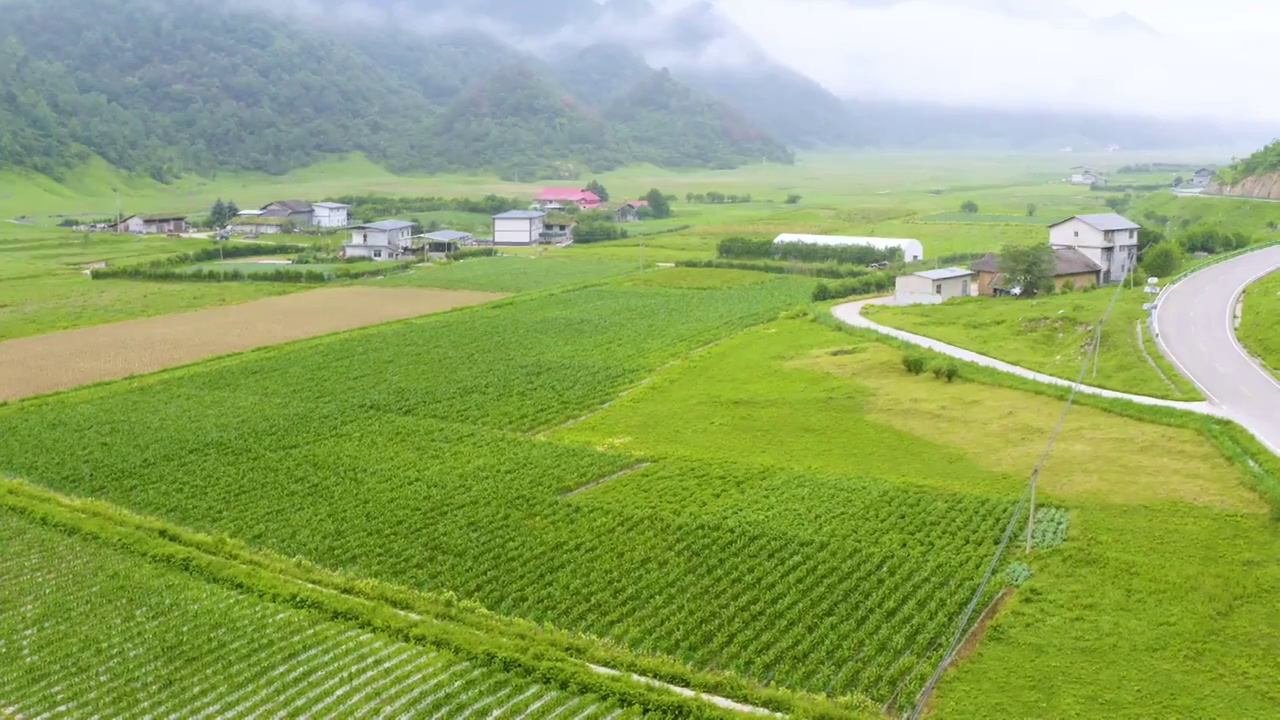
column 1069, row 286
column 952, row 371
column 740, row 247
column 1162, row 261
column 793, row 199
column 915, row 363
column 969, row 206
column 868, row 284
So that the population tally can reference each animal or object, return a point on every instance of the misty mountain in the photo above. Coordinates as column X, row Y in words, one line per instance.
column 167, row 88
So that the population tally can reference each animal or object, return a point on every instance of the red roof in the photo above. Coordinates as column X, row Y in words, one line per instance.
column 582, row 197
column 639, row 203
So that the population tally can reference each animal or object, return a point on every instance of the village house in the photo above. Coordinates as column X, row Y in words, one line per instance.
column 330, row 215
column 153, row 224
column 1201, row 178
column 630, row 211
column 254, row 222
column 559, row 198
column 518, row 227
column 298, row 212
column 1108, row 239
column 1081, row 175
column 1069, row 266
column 911, row 249
column 385, row 240
column 930, row 287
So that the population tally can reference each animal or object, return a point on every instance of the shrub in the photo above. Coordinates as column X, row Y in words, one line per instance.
column 1069, row 286
column 1048, row 287
column 915, row 363
column 952, row 371
column 969, row 206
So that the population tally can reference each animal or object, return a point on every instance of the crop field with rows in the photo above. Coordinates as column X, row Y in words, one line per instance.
column 86, row 629
column 411, row 474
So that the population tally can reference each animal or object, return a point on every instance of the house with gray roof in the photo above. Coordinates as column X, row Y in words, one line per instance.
column 383, row 240
column 519, row 227
column 1070, row 267
column 930, row 287
column 1108, row 239
column 298, row 212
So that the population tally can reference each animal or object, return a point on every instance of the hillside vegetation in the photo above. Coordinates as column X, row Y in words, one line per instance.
column 214, row 88
column 1266, row 160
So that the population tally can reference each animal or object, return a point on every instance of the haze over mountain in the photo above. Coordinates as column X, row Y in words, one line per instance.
column 527, row 88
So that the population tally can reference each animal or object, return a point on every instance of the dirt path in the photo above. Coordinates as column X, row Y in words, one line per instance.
column 61, row 360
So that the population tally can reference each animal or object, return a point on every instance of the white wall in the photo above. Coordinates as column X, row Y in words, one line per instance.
column 516, row 231
column 1076, row 233
column 919, row 290
column 330, row 218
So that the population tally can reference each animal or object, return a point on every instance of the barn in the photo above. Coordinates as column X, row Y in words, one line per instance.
column 912, row 250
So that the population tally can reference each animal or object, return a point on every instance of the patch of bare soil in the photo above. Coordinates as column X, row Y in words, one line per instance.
column 61, row 360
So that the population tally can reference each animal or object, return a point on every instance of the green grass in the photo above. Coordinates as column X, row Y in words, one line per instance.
column 988, row 219
column 1259, row 328
column 1253, row 217
column 43, row 287
column 107, row 632
column 1050, row 335
column 515, row 273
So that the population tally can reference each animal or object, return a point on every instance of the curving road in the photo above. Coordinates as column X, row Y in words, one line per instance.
column 1194, row 325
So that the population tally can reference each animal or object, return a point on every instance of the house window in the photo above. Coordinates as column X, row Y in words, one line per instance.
column 937, row 289
column 377, row 253
column 1077, row 233
column 1131, row 233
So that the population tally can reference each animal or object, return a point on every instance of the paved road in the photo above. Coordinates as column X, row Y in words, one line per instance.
column 851, row 313
column 1194, row 325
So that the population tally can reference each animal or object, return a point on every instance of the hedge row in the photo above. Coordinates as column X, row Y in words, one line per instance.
column 739, row 247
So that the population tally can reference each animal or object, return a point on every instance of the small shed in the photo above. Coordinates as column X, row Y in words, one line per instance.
column 443, row 242
column 930, row 287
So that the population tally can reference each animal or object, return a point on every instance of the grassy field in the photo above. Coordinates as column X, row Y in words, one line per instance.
column 43, row 285
column 1259, row 328
column 1052, row 335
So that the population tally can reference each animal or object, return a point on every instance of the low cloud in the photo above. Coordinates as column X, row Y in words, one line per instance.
column 1120, row 57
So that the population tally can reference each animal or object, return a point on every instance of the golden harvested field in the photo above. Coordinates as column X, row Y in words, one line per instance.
column 61, row 360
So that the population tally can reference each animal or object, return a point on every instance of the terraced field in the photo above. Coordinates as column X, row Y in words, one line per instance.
column 87, row 630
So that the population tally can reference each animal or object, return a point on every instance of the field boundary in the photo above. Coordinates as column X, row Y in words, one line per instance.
column 597, row 483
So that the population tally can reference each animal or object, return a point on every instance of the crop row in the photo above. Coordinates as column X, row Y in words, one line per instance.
column 86, row 630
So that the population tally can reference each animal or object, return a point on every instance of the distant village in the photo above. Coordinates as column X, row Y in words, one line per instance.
column 549, row 219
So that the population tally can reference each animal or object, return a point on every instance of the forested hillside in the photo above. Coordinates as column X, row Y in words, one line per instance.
column 198, row 86
column 1266, row 160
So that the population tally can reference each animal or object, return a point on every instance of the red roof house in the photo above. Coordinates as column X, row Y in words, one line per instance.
column 582, row 198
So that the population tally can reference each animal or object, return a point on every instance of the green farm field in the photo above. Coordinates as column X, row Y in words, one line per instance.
column 109, row 632
column 1053, row 335
column 1259, row 328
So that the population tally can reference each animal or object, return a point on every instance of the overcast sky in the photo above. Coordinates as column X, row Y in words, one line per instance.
column 1187, row 58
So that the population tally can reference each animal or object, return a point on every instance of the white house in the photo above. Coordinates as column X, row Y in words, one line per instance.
column 1202, row 178
column 1108, row 239
column 930, row 287
column 1081, row 175
column 385, row 240
column 329, row 215
column 153, row 224
column 518, row 227
column 911, row 249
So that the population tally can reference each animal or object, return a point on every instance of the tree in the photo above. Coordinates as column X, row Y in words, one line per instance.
column 218, row 214
column 969, row 206
column 232, row 210
column 688, row 197
column 1027, row 266
column 659, row 205
column 600, row 191
column 1031, row 209
column 1148, row 237
column 793, row 199
column 1162, row 261
column 1119, row 204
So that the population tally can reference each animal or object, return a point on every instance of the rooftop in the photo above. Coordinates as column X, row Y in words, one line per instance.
column 292, row 205
column 330, row 205
column 1067, row 261
column 945, row 273
column 447, row 235
column 387, row 225
column 571, row 194
column 1104, row 222
column 519, row 215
